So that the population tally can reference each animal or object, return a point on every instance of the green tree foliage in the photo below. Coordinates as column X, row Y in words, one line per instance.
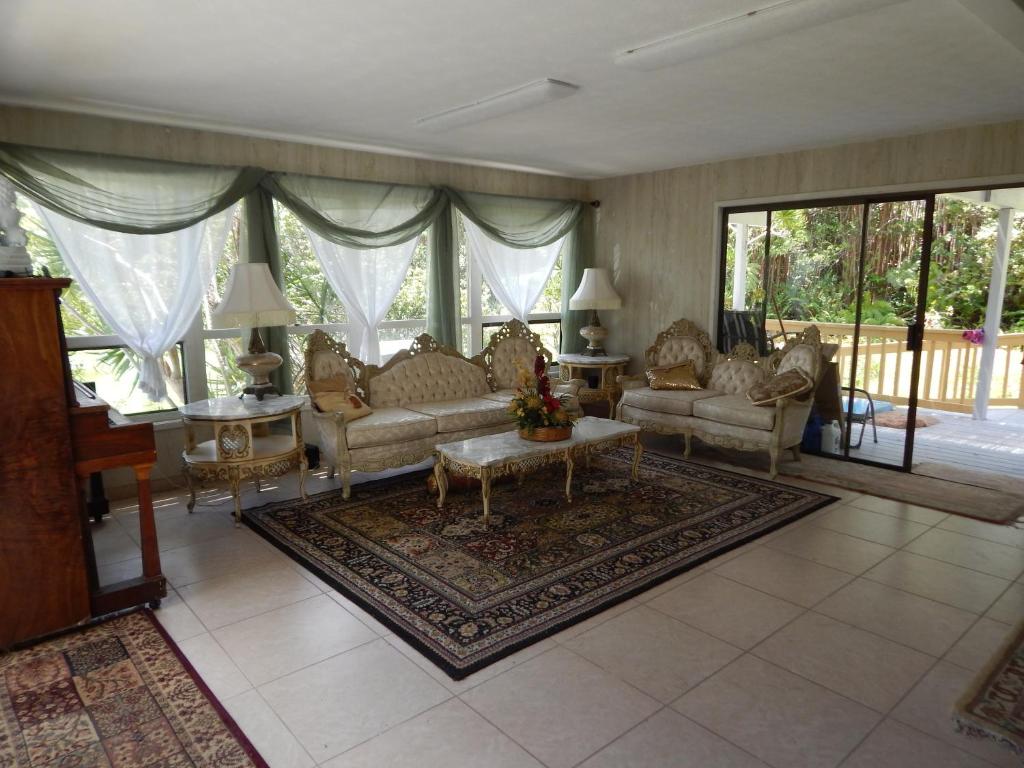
column 811, row 270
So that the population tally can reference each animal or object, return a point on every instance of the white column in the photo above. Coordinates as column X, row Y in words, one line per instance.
column 739, row 270
column 994, row 311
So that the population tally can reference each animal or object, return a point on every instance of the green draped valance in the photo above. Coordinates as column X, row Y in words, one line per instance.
column 519, row 222
column 124, row 194
column 147, row 197
column 358, row 214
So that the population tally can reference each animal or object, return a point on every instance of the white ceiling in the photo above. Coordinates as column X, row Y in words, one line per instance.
column 361, row 73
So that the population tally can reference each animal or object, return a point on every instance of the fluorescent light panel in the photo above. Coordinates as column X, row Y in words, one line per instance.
column 523, row 97
column 764, row 24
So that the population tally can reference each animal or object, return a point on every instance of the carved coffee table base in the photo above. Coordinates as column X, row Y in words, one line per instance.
column 500, row 455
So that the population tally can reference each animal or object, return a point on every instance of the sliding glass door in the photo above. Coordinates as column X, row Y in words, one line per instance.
column 881, row 380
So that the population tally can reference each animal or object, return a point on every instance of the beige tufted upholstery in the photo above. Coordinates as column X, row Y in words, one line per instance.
column 735, row 409
column 802, row 356
column 427, row 377
column 327, row 364
column 508, row 358
column 389, row 425
column 470, row 413
column 735, row 377
column 679, row 402
column 679, row 349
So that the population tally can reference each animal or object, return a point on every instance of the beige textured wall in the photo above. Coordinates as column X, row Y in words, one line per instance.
column 659, row 231
column 65, row 130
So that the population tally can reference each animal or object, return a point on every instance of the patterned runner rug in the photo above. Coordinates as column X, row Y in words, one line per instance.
column 114, row 694
column 466, row 595
column 993, row 707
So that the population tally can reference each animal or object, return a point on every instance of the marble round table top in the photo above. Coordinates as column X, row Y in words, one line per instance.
column 239, row 409
column 594, row 360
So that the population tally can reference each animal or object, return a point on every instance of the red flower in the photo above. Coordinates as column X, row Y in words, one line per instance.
column 551, row 403
column 538, row 366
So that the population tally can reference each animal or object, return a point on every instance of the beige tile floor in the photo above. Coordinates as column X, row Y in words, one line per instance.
column 842, row 639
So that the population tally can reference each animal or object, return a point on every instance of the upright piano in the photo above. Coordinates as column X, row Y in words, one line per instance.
column 52, row 440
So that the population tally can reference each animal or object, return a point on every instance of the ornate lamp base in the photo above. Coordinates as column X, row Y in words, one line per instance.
column 259, row 364
column 595, row 334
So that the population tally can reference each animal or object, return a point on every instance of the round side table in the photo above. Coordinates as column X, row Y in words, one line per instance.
column 242, row 448
column 609, row 366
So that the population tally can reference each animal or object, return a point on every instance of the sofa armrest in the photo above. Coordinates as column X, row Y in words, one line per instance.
column 569, row 387
column 631, row 382
column 331, row 428
column 791, row 417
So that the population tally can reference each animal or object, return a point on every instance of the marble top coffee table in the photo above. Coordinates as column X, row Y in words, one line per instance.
column 507, row 453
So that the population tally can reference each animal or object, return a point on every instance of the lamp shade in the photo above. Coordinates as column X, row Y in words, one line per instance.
column 252, row 300
column 595, row 291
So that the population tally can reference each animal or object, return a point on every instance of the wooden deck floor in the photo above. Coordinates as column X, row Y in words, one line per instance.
column 995, row 445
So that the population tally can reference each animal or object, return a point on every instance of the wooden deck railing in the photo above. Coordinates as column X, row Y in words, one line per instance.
column 949, row 364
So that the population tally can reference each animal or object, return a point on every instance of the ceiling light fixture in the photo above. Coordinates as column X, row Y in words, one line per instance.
column 756, row 26
column 523, row 97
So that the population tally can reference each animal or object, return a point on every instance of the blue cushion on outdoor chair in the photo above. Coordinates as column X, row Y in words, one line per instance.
column 860, row 405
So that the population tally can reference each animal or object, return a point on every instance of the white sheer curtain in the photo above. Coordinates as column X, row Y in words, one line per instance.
column 148, row 288
column 516, row 275
column 366, row 281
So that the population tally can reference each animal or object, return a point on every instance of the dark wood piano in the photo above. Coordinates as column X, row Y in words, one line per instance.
column 53, row 438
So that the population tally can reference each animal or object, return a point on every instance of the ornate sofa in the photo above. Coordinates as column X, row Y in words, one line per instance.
column 425, row 395
column 721, row 414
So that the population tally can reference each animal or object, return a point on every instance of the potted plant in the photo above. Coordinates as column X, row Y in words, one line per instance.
column 541, row 415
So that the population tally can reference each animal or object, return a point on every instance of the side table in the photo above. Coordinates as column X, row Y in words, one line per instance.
column 238, row 452
column 610, row 367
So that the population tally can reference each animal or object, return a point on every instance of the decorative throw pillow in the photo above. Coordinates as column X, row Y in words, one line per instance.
column 682, row 376
column 348, row 405
column 332, row 395
column 789, row 384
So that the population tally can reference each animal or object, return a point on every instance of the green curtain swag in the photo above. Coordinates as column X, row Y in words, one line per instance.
column 358, row 214
column 443, row 312
column 261, row 246
column 518, row 222
column 131, row 195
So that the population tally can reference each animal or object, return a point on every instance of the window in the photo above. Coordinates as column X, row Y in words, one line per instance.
column 483, row 314
column 318, row 307
column 203, row 361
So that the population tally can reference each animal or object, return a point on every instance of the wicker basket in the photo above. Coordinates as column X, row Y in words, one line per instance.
column 547, row 434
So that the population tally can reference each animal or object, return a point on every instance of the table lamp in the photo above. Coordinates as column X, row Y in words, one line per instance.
column 253, row 300
column 595, row 292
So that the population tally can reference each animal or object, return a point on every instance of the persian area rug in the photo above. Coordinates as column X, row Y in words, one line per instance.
column 993, row 707
column 466, row 595
column 115, row 694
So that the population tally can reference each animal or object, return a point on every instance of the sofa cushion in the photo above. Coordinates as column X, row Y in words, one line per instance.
column 389, row 425
column 735, row 409
column 677, row 401
column 469, row 413
column 501, row 396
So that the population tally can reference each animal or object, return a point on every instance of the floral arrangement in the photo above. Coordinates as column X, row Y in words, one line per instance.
column 533, row 404
column 976, row 336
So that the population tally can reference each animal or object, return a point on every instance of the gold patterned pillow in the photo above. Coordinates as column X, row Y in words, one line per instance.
column 791, row 383
column 682, row 376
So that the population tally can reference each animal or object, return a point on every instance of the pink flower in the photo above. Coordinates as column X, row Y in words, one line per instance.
column 975, row 336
